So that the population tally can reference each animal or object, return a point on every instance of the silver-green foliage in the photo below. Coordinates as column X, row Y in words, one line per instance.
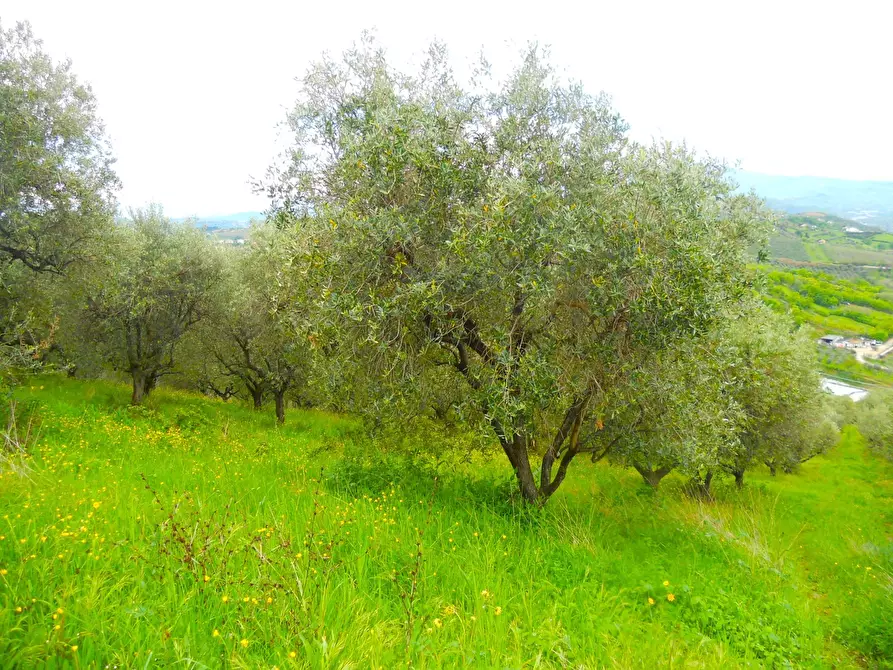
column 151, row 289
column 252, row 336
column 504, row 243
column 56, row 179
column 874, row 418
column 770, row 381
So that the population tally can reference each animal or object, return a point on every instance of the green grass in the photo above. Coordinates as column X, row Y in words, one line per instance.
column 857, row 255
column 817, row 253
column 783, row 246
column 134, row 535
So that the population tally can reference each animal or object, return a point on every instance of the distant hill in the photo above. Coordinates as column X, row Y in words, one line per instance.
column 868, row 202
column 237, row 220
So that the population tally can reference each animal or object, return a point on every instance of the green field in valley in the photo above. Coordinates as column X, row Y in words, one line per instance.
column 834, row 283
column 197, row 533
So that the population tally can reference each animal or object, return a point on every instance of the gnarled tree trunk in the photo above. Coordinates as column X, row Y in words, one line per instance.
column 700, row 488
column 257, row 395
column 516, row 451
column 141, row 387
column 652, row 477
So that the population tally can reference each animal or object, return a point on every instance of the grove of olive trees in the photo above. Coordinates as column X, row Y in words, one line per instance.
column 499, row 256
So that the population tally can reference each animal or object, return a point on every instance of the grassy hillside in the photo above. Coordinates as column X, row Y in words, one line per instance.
column 197, row 532
column 822, row 239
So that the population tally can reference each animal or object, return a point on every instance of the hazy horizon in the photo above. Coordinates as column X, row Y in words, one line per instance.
column 191, row 95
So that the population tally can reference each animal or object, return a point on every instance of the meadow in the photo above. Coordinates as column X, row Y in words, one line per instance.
column 197, row 533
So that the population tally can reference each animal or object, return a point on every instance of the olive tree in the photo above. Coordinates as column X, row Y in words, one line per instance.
column 873, row 417
column 150, row 291
column 251, row 335
column 678, row 417
column 769, row 374
column 56, row 180
column 509, row 235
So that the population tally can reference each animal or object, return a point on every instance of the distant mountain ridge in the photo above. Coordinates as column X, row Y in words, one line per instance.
column 868, row 202
column 236, row 220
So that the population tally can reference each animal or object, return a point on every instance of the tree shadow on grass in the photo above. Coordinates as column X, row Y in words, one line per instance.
column 424, row 479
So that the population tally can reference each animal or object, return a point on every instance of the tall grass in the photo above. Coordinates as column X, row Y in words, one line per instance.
column 199, row 533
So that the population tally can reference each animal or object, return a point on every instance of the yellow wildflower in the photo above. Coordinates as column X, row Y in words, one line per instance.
column 497, row 611
column 651, row 601
column 207, row 578
column 244, row 643
column 671, row 597
column 666, row 583
column 216, row 633
column 438, row 623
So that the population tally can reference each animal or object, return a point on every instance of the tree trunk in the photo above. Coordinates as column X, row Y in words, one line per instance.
column 280, row 406
column 700, row 488
column 771, row 466
column 739, row 478
column 516, row 450
column 140, row 389
column 257, row 395
column 652, row 477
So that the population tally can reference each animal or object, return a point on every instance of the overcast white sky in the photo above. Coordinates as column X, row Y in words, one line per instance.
column 191, row 92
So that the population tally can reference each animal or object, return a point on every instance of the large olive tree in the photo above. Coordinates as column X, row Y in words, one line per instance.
column 149, row 292
column 56, row 180
column 509, row 238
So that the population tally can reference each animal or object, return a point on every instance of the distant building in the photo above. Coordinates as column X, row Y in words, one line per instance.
column 821, row 241
column 851, row 229
column 831, row 340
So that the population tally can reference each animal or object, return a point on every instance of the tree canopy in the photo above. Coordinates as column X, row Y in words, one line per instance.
column 152, row 289
column 56, row 178
column 250, row 333
column 511, row 238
